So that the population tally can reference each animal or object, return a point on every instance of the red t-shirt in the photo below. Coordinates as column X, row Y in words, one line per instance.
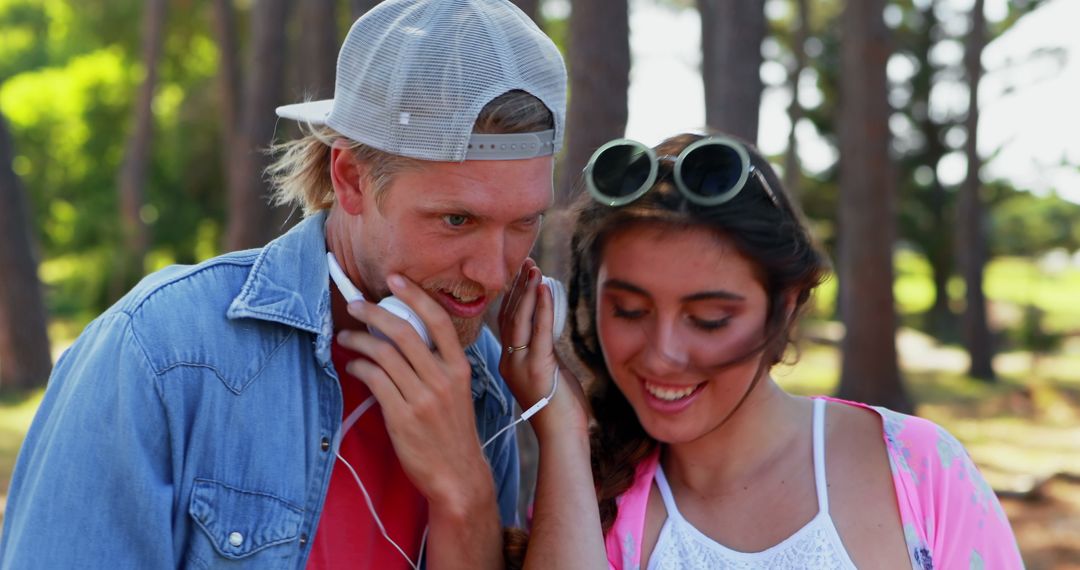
column 347, row 536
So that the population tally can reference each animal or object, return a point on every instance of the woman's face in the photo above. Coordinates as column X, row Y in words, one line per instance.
column 673, row 305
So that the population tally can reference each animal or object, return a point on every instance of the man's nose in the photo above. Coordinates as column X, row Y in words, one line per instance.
column 486, row 262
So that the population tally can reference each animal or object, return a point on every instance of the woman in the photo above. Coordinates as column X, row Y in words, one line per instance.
column 690, row 268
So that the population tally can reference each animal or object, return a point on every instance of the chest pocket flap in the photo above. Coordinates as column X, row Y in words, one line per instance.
column 240, row 523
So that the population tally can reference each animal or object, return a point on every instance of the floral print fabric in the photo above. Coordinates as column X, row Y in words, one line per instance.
column 951, row 517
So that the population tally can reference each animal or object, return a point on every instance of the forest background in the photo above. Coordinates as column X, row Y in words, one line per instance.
column 131, row 138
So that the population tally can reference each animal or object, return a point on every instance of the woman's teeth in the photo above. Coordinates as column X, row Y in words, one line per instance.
column 670, row 394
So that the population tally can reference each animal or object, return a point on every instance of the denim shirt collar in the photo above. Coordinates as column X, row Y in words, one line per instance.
column 289, row 284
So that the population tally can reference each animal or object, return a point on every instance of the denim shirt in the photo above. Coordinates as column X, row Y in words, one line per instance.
column 189, row 425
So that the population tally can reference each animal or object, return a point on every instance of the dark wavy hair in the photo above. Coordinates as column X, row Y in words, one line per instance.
column 765, row 227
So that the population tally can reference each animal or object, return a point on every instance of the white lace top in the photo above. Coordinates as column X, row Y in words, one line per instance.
column 814, row 546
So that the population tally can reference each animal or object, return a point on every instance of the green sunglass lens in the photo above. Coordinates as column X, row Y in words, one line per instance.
column 712, row 169
column 621, row 170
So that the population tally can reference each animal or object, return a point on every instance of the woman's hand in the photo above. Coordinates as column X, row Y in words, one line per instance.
column 529, row 363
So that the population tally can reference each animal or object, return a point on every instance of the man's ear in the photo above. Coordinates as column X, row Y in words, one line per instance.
column 349, row 177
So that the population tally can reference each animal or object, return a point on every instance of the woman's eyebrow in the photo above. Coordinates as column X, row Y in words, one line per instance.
column 711, row 295
column 702, row 296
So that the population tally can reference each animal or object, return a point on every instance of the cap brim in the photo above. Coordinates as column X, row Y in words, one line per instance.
column 312, row 112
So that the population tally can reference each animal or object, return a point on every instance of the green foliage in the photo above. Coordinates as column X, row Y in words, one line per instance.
column 1025, row 224
column 68, row 97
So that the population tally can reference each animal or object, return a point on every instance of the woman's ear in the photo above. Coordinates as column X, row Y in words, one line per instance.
column 349, row 176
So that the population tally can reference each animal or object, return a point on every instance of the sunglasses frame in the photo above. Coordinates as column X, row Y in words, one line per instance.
column 654, row 168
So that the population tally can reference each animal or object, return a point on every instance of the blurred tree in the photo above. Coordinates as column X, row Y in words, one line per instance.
column 318, row 48
column 971, row 218
column 229, row 86
column 252, row 221
column 598, row 61
column 133, row 170
column 792, row 165
column 531, row 8
column 24, row 344
column 358, row 8
column 926, row 205
column 869, row 371
column 731, row 36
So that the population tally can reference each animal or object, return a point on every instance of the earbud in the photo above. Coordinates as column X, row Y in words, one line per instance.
column 392, row 304
column 558, row 294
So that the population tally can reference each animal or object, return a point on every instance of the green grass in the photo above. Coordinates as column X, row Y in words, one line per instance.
column 16, row 412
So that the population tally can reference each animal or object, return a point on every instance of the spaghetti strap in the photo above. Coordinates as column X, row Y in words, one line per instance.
column 819, row 456
column 666, row 494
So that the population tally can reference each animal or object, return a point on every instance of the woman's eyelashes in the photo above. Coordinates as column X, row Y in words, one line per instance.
column 707, row 324
column 626, row 314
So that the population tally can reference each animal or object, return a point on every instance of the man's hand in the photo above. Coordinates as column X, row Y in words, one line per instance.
column 426, row 400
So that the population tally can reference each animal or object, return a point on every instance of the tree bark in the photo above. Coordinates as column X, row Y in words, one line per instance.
column 137, row 156
column 731, row 36
column 229, row 86
column 937, row 244
column 252, row 221
column 360, row 7
column 792, row 165
column 318, row 49
column 531, row 8
column 598, row 61
column 869, row 372
column 973, row 252
column 25, row 361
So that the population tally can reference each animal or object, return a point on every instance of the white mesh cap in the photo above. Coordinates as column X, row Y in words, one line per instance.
column 413, row 75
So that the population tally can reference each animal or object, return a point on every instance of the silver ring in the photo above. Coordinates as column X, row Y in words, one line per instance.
column 513, row 349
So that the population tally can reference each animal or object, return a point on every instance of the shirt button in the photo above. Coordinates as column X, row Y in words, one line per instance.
column 236, row 539
column 325, row 444
column 303, row 540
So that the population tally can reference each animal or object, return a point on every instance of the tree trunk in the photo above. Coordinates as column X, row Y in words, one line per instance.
column 937, row 244
column 870, row 372
column 731, row 36
column 137, row 155
column 972, row 218
column 360, row 7
column 252, row 221
column 598, row 61
column 318, row 49
column 792, row 165
column 24, row 343
column 531, row 8
column 229, row 86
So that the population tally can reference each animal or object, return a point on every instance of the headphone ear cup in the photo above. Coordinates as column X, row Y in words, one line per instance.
column 558, row 294
column 398, row 308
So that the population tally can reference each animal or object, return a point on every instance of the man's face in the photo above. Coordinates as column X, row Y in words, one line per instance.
column 460, row 230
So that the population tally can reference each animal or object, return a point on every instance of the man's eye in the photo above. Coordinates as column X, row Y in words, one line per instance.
column 456, row 220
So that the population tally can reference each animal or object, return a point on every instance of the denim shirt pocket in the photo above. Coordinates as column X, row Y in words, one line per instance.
column 243, row 527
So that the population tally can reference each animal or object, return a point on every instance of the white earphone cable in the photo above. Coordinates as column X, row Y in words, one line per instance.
column 531, row 411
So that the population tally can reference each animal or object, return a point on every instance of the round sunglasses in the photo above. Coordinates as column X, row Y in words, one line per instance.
column 708, row 172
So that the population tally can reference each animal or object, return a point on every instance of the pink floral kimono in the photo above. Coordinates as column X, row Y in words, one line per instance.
column 951, row 517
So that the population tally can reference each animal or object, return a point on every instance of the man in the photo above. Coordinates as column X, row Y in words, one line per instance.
column 199, row 422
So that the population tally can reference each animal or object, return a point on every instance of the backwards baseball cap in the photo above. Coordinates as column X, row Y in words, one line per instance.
column 413, row 75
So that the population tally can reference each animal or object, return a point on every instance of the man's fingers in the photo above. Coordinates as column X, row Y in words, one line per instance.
column 381, row 386
column 383, row 354
column 441, row 330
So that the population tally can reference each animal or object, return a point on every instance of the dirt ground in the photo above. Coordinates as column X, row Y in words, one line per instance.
column 1047, row 526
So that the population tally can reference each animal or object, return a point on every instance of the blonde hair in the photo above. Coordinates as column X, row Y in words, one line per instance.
column 301, row 173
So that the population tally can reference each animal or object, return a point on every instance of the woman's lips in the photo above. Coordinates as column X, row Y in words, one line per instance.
column 668, row 398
